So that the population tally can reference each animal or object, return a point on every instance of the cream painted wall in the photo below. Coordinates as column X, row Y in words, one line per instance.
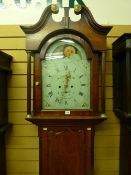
column 105, row 12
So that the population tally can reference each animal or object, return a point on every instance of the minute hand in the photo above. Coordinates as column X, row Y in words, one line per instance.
column 67, row 78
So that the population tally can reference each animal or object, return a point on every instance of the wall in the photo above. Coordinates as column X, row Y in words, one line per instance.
column 22, row 141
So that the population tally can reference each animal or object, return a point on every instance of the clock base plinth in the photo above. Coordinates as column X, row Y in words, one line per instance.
column 66, row 120
column 66, row 144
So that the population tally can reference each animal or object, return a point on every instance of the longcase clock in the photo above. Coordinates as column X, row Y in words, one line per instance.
column 68, row 88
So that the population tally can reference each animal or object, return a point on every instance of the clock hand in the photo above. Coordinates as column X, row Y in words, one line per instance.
column 67, row 78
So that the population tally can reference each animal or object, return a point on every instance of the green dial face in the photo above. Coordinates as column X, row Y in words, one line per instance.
column 65, row 77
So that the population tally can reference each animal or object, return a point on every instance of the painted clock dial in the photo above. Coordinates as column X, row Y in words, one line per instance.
column 66, row 77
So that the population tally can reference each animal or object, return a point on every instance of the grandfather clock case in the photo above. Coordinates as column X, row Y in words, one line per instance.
column 68, row 88
column 122, row 97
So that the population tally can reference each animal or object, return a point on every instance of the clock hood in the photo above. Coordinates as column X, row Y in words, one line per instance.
column 46, row 28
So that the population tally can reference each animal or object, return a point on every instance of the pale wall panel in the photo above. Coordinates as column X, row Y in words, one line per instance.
column 108, row 92
column 106, row 172
column 17, row 154
column 106, row 153
column 108, row 80
column 22, row 167
column 11, row 31
column 110, row 40
column 106, row 165
column 22, row 142
column 109, row 104
column 106, row 141
column 17, row 118
column 118, row 30
column 111, row 117
column 17, row 105
column 24, row 130
column 108, row 67
column 12, row 43
column 18, row 81
column 18, row 55
column 20, row 68
column 17, row 93
column 105, row 129
column 109, row 55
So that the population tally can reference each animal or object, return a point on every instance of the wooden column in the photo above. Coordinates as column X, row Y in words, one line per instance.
column 103, row 82
column 28, row 83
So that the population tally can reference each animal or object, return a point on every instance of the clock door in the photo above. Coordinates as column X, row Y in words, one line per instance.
column 67, row 70
column 66, row 151
column 65, row 77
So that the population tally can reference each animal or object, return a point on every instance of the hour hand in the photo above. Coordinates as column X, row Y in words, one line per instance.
column 67, row 78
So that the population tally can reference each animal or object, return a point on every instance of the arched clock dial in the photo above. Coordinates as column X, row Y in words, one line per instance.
column 65, row 77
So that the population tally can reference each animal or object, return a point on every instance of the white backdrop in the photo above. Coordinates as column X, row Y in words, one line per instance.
column 116, row 12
